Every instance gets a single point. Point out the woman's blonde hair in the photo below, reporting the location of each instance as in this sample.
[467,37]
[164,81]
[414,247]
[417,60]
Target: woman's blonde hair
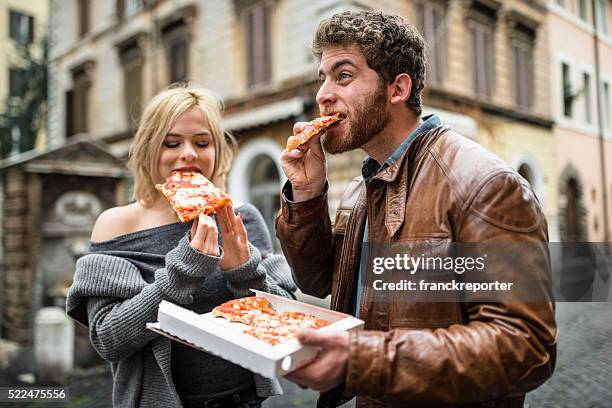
[157,119]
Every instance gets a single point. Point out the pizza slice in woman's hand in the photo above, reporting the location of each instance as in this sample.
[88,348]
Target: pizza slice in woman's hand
[190,194]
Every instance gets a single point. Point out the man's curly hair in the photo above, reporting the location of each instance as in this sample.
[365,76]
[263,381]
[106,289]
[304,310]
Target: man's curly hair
[390,45]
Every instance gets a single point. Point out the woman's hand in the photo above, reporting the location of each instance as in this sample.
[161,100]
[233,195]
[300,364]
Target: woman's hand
[204,235]
[235,242]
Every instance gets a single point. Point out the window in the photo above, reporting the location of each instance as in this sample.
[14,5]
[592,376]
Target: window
[586,93]
[481,41]
[566,86]
[583,9]
[21,27]
[264,191]
[83,10]
[602,15]
[256,22]
[16,82]
[481,25]
[132,60]
[132,6]
[607,114]
[178,60]
[78,100]
[176,38]
[431,23]
[522,40]
[561,3]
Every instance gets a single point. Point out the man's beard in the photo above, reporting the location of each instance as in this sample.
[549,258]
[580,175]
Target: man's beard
[368,118]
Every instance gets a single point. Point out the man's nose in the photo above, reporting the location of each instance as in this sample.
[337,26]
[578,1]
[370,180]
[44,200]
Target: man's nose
[326,94]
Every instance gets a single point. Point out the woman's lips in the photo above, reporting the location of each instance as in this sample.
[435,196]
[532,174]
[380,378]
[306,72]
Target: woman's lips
[196,169]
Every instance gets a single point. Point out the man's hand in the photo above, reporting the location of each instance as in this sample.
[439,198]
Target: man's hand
[305,167]
[328,369]
[235,241]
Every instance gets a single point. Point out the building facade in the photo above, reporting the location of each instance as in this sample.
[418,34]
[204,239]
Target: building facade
[487,77]
[22,23]
[25,23]
[580,82]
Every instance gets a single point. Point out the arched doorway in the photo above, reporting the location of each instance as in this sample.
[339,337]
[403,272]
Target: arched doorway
[571,214]
[525,171]
[529,168]
[264,188]
[578,261]
[256,177]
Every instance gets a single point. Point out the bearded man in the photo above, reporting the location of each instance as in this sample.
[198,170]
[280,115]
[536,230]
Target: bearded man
[421,182]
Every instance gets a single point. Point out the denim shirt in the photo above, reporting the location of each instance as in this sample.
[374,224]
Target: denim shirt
[371,167]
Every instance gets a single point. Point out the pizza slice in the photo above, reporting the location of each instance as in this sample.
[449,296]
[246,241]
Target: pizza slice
[303,320]
[190,194]
[264,322]
[244,310]
[312,128]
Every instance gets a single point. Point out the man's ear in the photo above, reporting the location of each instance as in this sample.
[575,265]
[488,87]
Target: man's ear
[400,88]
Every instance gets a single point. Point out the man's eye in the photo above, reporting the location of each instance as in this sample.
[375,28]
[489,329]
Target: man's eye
[343,76]
[321,81]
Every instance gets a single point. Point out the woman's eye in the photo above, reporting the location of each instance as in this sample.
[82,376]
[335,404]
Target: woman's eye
[171,145]
[202,144]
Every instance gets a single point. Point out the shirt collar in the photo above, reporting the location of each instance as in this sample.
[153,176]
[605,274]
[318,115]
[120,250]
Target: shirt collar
[370,166]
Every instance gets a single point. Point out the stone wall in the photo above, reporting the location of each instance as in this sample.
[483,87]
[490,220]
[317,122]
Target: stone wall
[21,244]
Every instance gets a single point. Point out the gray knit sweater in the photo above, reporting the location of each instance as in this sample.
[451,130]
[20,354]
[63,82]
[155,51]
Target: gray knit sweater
[116,291]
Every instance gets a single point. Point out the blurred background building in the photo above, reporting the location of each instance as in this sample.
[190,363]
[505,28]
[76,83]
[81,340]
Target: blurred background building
[529,80]
[22,126]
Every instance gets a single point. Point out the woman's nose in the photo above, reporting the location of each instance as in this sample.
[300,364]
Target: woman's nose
[188,152]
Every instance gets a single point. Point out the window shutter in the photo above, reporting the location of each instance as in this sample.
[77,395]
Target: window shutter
[69,113]
[120,9]
[30,29]
[266,43]
[83,17]
[256,21]
[13,25]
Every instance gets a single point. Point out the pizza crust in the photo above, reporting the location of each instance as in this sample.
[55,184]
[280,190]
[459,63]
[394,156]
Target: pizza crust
[312,128]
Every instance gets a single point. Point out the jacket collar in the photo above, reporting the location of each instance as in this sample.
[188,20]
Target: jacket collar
[397,192]
[371,168]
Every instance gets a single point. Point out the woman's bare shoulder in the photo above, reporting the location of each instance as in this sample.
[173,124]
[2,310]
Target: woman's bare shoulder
[117,221]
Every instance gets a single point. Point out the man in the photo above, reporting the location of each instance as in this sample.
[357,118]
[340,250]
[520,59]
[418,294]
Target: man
[421,182]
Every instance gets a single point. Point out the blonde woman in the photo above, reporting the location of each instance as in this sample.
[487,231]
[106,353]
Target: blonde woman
[140,254]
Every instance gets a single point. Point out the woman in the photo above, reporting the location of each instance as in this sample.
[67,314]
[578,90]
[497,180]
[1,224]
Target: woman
[140,255]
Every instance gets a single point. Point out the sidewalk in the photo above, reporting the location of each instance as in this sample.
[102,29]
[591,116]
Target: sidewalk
[581,379]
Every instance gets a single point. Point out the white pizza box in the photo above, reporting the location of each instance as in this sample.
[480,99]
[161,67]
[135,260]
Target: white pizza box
[227,340]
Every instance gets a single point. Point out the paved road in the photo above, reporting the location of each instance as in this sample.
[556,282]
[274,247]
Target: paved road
[582,377]
[583,374]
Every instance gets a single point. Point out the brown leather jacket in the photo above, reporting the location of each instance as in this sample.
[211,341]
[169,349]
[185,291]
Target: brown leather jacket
[444,188]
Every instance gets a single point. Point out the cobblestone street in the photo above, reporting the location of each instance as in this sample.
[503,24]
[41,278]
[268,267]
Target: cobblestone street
[581,380]
[583,373]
